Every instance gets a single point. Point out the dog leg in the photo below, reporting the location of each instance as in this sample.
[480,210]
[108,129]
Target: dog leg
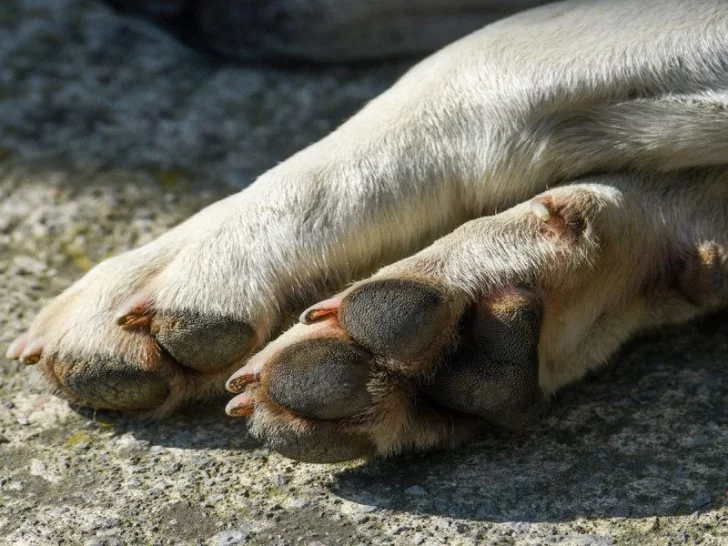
[492,120]
[485,324]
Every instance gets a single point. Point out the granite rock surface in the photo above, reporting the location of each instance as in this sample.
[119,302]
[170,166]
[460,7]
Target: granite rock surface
[110,133]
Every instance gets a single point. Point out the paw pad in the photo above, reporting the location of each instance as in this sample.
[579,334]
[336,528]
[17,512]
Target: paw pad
[395,318]
[320,379]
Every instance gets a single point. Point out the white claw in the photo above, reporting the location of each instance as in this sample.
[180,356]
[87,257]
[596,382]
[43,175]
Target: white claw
[540,210]
[17,347]
[32,352]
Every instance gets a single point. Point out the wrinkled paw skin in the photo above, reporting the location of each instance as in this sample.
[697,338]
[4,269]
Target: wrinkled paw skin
[120,353]
[494,371]
[393,365]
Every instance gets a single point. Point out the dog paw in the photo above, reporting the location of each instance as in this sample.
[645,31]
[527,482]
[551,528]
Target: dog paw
[390,365]
[167,323]
[107,343]
[485,324]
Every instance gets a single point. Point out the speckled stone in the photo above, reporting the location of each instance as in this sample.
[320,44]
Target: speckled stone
[109,134]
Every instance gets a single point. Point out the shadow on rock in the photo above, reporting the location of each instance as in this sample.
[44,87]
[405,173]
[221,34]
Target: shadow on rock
[647,437]
[200,426]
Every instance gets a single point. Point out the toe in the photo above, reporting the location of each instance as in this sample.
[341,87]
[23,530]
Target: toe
[113,383]
[320,442]
[320,379]
[205,343]
[494,372]
[395,318]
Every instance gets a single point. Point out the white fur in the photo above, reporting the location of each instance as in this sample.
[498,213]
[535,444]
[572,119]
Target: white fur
[542,97]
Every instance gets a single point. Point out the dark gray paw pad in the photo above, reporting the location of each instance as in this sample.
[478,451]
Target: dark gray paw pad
[203,342]
[394,318]
[320,379]
[494,372]
[113,384]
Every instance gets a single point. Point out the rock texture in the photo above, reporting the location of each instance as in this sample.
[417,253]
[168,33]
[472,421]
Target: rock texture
[110,132]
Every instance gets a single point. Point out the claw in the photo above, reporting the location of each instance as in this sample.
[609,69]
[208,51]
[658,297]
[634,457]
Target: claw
[240,406]
[541,210]
[32,352]
[559,221]
[136,314]
[17,347]
[250,373]
[238,383]
[322,310]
